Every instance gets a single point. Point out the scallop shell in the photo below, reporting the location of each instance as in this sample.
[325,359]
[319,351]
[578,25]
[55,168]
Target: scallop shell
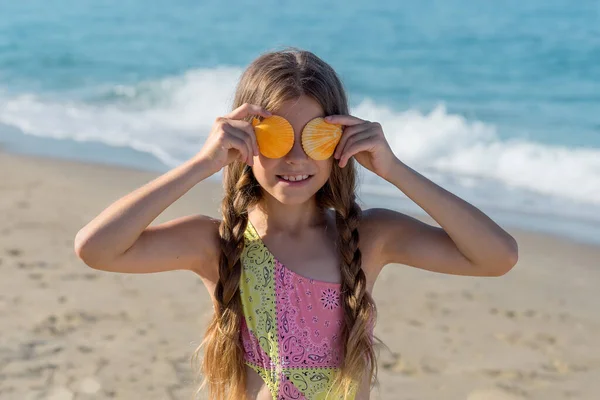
[319,138]
[274,135]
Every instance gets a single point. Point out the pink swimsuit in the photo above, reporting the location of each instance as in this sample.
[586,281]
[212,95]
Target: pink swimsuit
[292,325]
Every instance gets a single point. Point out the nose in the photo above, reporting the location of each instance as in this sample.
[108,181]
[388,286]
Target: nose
[296,154]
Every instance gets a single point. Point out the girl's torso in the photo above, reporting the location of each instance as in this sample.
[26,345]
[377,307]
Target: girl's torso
[292,322]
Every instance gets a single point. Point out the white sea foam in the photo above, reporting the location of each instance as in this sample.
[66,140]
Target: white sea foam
[473,151]
[169,118]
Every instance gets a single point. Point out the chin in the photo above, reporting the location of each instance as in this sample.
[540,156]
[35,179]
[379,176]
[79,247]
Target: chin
[292,199]
[293,196]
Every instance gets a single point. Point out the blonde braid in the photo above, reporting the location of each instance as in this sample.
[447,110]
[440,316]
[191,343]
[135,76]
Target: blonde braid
[227,380]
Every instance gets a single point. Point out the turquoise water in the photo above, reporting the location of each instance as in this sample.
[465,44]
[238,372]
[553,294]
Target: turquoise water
[497,102]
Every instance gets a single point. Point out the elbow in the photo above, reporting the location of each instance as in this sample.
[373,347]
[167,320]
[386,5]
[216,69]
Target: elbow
[513,254]
[83,249]
[79,247]
[509,260]
[504,268]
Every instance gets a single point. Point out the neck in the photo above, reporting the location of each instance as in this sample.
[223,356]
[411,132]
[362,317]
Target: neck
[274,216]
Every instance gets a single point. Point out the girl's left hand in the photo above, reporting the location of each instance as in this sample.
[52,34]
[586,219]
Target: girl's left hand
[366,142]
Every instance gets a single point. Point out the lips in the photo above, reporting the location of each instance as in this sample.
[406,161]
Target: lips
[294,178]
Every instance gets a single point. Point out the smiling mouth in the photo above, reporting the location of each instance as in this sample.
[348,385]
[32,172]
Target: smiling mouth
[294,178]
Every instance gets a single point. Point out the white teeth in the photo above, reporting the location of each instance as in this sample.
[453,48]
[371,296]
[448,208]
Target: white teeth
[294,178]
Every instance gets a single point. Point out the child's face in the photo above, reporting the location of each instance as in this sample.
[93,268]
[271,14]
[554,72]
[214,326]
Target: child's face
[269,171]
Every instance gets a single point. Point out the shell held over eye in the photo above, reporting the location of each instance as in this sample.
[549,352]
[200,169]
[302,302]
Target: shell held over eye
[274,135]
[320,138]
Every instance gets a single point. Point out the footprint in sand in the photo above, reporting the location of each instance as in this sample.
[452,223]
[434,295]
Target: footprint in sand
[75,276]
[22,204]
[85,349]
[36,276]
[564,317]
[467,295]
[514,314]
[63,324]
[415,322]
[432,365]
[540,341]
[511,377]
[14,252]
[32,265]
[405,367]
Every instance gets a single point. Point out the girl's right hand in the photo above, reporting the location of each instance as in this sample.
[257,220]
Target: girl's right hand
[232,139]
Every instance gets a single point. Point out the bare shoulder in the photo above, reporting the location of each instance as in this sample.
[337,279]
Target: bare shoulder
[374,233]
[200,237]
[372,242]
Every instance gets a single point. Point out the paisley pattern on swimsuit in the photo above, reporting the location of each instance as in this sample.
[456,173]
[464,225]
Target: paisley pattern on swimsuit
[291,327]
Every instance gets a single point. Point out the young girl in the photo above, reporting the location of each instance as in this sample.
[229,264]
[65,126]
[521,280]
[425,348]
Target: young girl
[292,263]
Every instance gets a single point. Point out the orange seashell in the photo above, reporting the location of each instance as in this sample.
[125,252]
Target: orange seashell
[319,138]
[274,135]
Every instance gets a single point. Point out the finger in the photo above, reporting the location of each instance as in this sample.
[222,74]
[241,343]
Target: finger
[239,145]
[247,109]
[357,147]
[242,147]
[240,139]
[347,120]
[353,139]
[248,129]
[348,133]
[250,150]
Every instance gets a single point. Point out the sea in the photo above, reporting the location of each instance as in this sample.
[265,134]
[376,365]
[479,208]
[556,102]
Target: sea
[497,102]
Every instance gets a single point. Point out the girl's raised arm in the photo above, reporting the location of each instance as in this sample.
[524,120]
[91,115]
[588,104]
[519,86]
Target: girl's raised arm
[119,239]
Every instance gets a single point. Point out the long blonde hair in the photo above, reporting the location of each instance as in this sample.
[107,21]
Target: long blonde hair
[270,80]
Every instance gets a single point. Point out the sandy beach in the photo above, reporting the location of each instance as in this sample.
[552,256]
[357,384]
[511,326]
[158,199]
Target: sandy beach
[71,332]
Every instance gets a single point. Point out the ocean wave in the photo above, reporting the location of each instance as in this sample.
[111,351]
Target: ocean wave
[472,150]
[170,118]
